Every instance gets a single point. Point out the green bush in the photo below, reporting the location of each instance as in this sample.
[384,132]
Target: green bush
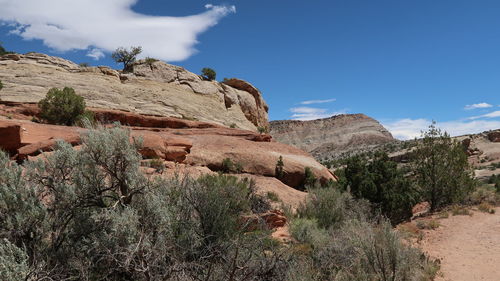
[309,177]
[442,170]
[381,182]
[228,166]
[1,85]
[279,169]
[307,231]
[331,207]
[150,61]
[62,107]
[208,74]
[13,262]
[3,51]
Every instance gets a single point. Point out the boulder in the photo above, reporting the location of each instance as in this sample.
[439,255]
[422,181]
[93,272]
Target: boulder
[250,99]
[10,136]
[494,136]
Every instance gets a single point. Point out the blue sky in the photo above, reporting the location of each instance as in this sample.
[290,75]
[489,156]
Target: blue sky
[402,62]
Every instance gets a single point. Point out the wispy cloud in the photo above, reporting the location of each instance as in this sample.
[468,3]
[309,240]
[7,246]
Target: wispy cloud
[310,113]
[405,129]
[64,26]
[307,102]
[96,54]
[477,106]
[494,114]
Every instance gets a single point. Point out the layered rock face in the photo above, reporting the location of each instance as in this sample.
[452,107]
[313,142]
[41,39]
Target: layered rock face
[154,88]
[330,137]
[184,146]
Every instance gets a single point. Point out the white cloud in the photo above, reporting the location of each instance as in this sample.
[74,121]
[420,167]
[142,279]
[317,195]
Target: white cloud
[106,25]
[96,54]
[405,129]
[310,113]
[477,106]
[494,114]
[317,101]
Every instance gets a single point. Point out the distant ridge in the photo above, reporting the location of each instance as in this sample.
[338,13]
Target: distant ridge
[330,137]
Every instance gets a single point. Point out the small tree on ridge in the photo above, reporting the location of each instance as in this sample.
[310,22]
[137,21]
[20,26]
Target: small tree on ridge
[126,56]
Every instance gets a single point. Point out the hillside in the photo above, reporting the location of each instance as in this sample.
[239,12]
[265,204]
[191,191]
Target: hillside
[154,88]
[330,137]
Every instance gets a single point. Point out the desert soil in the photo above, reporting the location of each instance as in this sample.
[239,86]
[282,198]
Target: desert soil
[468,247]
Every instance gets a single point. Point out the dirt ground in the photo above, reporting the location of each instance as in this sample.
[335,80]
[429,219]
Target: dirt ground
[468,247]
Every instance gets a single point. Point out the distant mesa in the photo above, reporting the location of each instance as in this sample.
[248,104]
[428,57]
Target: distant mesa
[331,137]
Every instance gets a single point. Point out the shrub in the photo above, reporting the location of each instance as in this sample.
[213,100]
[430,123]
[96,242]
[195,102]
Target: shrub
[3,51]
[261,130]
[427,224]
[157,164]
[13,262]
[442,169]
[272,196]
[381,182]
[361,251]
[62,106]
[149,61]
[486,208]
[83,64]
[208,74]
[1,85]
[228,166]
[307,231]
[460,211]
[126,56]
[309,177]
[279,170]
[233,125]
[483,194]
[331,207]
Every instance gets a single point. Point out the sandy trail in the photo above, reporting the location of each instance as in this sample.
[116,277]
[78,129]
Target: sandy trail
[468,247]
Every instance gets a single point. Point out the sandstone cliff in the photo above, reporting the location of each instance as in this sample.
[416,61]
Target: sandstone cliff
[185,147]
[331,137]
[154,88]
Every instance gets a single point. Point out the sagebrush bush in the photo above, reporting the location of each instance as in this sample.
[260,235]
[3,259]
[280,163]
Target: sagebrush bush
[63,107]
[484,194]
[91,214]
[331,207]
[13,262]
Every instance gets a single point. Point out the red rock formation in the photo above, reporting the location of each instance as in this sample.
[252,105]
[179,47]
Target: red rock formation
[195,146]
[494,136]
[10,136]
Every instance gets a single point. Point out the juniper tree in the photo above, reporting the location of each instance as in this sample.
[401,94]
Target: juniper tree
[441,168]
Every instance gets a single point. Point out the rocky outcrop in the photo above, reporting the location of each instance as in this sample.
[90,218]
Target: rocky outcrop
[494,136]
[195,145]
[153,88]
[330,137]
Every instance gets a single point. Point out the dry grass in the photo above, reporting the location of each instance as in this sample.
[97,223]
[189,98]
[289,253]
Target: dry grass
[460,211]
[427,224]
[486,208]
